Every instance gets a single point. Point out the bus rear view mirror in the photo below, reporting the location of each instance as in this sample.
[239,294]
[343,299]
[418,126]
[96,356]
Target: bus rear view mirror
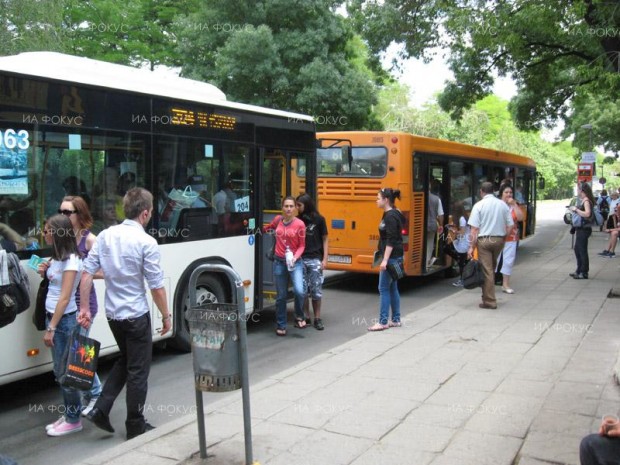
[541,183]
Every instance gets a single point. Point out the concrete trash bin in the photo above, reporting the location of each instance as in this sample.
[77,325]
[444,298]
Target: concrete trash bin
[213,329]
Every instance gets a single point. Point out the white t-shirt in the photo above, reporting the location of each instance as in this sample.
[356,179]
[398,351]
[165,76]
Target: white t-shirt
[461,244]
[54,274]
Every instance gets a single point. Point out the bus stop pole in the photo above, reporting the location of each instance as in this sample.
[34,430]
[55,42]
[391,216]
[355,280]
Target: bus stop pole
[243,373]
[202,434]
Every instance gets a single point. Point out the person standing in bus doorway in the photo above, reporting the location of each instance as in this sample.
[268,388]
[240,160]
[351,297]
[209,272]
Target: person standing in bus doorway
[129,259]
[76,209]
[290,236]
[63,272]
[391,250]
[490,221]
[509,253]
[434,221]
[314,256]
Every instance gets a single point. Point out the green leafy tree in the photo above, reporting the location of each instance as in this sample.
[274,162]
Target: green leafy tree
[302,57]
[555,50]
[32,25]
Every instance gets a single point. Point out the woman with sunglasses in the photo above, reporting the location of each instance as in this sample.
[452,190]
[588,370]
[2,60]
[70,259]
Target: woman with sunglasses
[63,271]
[391,250]
[76,209]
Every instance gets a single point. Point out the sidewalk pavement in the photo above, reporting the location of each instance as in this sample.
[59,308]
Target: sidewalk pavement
[455,385]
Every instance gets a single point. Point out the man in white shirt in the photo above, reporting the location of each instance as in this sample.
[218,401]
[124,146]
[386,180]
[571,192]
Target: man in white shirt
[129,259]
[490,222]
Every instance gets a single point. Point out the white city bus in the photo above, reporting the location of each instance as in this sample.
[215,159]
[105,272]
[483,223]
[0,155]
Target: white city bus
[76,126]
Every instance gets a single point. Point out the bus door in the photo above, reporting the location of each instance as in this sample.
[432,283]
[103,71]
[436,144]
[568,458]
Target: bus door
[438,202]
[273,190]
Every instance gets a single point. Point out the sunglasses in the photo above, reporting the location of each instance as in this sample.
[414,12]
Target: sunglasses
[67,212]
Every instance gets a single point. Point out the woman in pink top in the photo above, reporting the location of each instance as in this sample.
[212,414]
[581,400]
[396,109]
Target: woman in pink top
[510,245]
[290,234]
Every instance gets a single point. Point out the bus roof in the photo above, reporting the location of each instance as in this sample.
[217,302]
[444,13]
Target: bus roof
[73,69]
[428,144]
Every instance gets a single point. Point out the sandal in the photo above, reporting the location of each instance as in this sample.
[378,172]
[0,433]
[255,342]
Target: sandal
[394,324]
[378,327]
[280,331]
[300,323]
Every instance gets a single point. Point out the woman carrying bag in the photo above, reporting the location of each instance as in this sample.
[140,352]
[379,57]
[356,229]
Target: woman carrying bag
[391,250]
[583,229]
[63,271]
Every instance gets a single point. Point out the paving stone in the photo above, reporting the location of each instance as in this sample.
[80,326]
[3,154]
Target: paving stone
[390,454]
[487,449]
[420,437]
[552,447]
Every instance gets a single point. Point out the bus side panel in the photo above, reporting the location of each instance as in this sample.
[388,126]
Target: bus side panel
[352,217]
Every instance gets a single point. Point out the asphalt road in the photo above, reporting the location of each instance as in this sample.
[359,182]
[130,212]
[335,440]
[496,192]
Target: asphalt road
[349,306]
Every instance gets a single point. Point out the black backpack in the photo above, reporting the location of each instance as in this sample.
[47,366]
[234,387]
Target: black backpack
[14,288]
[604,206]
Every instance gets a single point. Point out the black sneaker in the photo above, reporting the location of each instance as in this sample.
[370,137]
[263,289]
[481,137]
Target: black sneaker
[604,253]
[318,324]
[611,255]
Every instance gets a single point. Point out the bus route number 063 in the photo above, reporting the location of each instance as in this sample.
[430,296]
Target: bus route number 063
[10,139]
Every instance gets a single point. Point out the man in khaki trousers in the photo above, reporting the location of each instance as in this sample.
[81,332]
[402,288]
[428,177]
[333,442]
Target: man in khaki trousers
[490,221]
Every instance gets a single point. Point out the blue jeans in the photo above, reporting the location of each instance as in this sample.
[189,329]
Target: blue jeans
[281,274]
[389,296]
[95,390]
[62,335]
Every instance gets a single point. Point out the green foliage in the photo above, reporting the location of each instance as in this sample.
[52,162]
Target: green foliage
[487,124]
[557,51]
[298,56]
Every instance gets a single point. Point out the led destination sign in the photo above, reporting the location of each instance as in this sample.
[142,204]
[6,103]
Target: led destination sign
[183,117]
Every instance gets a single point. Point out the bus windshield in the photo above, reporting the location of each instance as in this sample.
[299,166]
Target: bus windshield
[365,162]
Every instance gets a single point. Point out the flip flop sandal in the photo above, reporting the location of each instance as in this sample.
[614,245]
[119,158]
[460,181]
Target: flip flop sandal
[378,327]
[281,332]
[300,324]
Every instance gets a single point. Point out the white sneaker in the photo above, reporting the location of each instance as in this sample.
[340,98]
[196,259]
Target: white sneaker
[432,261]
[458,283]
[55,424]
[91,404]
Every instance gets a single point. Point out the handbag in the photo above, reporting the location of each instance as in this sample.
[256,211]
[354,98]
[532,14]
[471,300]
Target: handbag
[473,276]
[8,304]
[79,362]
[396,270]
[38,316]
[577,220]
[271,253]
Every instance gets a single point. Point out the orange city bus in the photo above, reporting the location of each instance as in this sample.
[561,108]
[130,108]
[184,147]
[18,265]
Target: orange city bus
[353,166]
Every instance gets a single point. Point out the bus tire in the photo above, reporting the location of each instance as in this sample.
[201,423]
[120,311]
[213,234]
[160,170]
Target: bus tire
[209,289]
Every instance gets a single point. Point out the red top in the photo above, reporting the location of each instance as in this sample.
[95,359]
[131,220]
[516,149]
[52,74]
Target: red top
[292,234]
[514,234]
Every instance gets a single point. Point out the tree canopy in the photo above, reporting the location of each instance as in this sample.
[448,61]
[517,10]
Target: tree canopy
[303,58]
[559,52]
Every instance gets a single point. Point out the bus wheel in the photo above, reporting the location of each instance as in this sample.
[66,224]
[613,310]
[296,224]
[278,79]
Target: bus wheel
[209,289]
